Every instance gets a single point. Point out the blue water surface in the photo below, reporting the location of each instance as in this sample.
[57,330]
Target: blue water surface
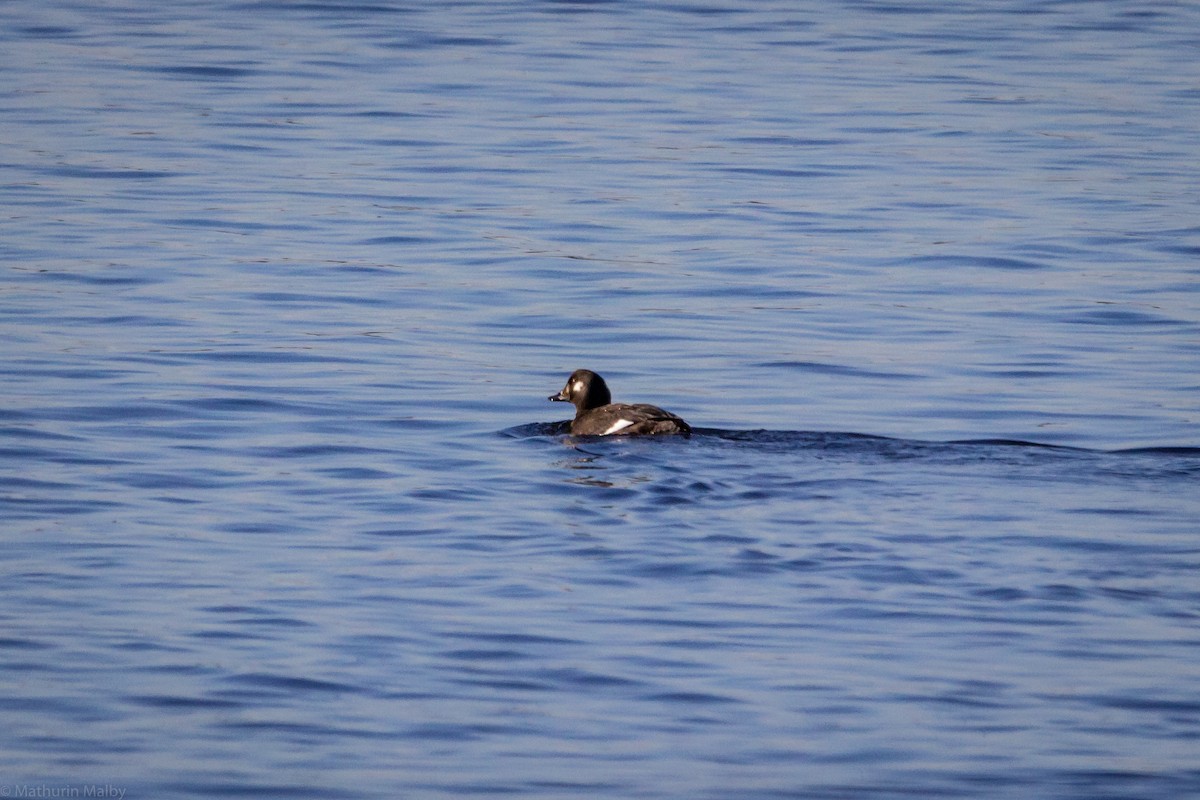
[284,510]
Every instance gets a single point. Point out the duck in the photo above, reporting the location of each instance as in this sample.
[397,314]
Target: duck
[597,415]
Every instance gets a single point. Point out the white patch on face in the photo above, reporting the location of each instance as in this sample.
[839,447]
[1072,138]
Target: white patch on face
[577,387]
[617,426]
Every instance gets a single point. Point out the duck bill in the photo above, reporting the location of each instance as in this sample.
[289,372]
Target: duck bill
[561,397]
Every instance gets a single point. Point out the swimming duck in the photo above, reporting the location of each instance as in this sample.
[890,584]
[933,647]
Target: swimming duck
[597,415]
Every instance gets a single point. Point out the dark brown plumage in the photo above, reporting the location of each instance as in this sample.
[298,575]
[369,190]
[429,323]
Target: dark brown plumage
[597,415]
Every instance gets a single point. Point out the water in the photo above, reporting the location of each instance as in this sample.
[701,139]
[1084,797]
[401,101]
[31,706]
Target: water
[286,514]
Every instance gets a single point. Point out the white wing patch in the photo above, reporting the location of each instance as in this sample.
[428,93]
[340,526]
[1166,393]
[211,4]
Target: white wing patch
[618,426]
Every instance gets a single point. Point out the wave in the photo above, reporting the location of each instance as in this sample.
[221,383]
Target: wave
[842,440]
